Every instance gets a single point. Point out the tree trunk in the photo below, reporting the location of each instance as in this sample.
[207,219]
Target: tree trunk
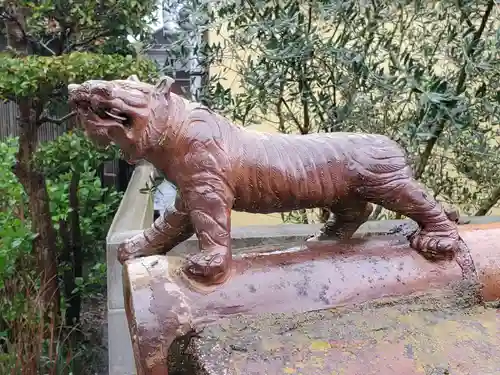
[66,263]
[44,244]
[75,238]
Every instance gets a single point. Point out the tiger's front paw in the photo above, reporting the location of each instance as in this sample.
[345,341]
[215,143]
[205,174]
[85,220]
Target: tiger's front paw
[210,267]
[130,249]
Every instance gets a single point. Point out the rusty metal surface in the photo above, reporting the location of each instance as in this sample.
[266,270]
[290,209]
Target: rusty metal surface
[161,304]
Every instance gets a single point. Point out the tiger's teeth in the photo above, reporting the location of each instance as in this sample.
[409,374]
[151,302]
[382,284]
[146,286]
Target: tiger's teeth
[116,117]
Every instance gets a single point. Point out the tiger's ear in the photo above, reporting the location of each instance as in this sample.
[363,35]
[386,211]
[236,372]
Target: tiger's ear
[134,78]
[164,85]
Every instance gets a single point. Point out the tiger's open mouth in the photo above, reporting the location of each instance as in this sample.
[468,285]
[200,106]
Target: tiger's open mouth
[105,113]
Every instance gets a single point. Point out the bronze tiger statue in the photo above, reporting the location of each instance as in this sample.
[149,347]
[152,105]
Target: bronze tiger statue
[218,166]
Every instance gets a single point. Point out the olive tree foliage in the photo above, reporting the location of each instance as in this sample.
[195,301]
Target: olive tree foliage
[425,73]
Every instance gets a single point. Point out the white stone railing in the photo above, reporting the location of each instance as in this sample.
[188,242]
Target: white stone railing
[134,214]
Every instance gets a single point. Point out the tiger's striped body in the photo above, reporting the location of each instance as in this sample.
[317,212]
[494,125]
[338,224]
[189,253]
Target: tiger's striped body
[267,173]
[288,172]
[218,167]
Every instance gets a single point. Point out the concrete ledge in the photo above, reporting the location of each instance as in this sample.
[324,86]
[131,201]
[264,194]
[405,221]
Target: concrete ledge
[114,270]
[163,305]
[135,210]
[257,235]
[121,360]
[260,234]
[134,213]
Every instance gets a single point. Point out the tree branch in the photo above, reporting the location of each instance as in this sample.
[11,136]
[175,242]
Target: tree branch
[85,42]
[464,15]
[7,16]
[44,45]
[57,121]
[376,212]
[279,109]
[488,204]
[471,48]
[294,118]
[15,33]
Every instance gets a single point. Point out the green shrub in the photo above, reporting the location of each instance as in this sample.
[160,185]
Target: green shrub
[20,314]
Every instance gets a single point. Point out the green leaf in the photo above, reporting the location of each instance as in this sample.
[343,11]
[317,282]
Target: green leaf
[42,75]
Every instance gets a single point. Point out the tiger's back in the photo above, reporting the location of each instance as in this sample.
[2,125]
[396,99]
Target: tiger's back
[278,172]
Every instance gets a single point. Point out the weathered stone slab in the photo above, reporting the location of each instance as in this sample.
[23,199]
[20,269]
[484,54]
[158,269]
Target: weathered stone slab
[415,337]
[162,305]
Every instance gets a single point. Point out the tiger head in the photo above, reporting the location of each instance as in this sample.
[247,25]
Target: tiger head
[128,113]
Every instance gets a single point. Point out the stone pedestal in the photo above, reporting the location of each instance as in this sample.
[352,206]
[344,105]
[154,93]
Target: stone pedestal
[284,286]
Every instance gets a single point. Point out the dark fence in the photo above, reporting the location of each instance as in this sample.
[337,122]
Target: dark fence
[8,124]
[110,171]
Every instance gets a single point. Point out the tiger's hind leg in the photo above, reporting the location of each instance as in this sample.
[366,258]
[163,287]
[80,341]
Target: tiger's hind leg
[348,217]
[438,236]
